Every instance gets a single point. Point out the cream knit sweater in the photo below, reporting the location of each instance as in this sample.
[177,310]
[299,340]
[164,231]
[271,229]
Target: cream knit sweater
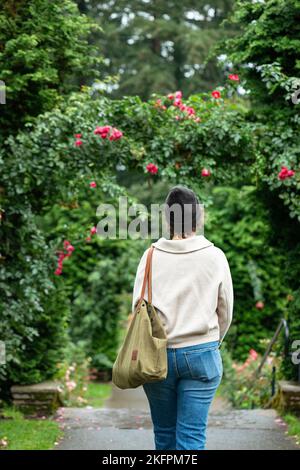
[191,290]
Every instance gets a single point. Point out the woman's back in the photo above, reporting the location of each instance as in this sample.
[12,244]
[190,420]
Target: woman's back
[192,290]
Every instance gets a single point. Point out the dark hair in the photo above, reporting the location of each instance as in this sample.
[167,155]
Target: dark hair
[188,203]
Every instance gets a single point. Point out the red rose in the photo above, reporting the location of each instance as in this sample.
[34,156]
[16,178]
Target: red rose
[285,173]
[108,131]
[78,143]
[151,168]
[93,184]
[216,94]
[234,77]
[102,131]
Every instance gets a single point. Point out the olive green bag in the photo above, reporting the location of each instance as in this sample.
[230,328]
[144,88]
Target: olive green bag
[143,355]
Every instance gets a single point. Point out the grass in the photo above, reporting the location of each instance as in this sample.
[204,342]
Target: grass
[21,433]
[293,423]
[97,393]
[27,434]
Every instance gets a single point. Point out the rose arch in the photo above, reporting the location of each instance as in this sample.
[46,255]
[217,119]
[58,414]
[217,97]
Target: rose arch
[79,147]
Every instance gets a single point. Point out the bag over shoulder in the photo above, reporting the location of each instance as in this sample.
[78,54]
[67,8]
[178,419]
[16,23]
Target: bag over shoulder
[143,355]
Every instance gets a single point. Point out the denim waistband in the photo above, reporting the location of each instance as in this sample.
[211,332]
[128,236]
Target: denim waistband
[210,344]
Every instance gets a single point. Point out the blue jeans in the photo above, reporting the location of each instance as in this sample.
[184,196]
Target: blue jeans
[179,404]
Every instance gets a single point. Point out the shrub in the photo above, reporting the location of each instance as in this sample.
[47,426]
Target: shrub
[240,384]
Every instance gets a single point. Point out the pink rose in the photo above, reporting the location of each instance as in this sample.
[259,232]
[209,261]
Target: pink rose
[190,110]
[66,244]
[253,354]
[93,184]
[177,102]
[259,305]
[182,107]
[234,77]
[205,172]
[115,134]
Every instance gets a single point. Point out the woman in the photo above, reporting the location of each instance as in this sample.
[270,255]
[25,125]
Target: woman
[193,295]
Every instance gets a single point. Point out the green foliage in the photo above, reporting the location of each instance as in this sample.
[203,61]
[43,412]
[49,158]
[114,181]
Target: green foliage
[159,47]
[42,172]
[241,385]
[32,326]
[96,277]
[18,433]
[269,33]
[43,46]
[31,188]
[293,423]
[291,370]
[43,52]
[237,221]
[95,300]
[74,375]
[267,54]
[97,393]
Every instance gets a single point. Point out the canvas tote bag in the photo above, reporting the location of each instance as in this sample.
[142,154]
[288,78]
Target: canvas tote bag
[143,355]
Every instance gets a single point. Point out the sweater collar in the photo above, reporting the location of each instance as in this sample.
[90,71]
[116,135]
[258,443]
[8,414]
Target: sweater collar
[196,242]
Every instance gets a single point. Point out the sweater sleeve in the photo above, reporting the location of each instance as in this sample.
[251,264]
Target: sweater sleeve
[225,300]
[138,282]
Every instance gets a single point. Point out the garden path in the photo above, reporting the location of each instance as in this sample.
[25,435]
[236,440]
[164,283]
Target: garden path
[124,423]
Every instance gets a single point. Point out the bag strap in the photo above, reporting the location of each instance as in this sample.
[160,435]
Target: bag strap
[147,278]
[150,275]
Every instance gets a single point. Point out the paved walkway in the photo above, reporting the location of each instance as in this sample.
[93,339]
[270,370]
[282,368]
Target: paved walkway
[125,424]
